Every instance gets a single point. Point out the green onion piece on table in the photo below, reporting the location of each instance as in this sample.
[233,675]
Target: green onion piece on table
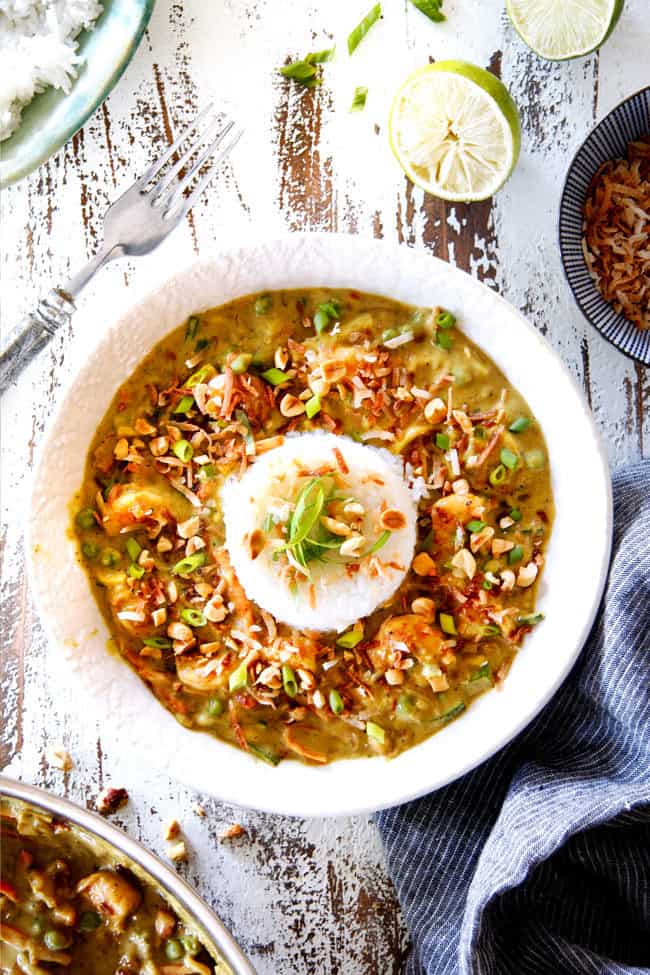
[189,564]
[360,31]
[302,72]
[359,99]
[239,678]
[431,9]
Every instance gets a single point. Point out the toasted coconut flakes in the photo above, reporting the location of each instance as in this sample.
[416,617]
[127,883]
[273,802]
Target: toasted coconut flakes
[59,757]
[234,832]
[180,487]
[616,230]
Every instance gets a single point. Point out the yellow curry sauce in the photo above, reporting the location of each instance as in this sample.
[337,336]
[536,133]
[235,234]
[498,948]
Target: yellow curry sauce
[225,388]
[69,904]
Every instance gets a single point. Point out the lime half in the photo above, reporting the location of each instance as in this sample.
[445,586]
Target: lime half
[561,29]
[455,131]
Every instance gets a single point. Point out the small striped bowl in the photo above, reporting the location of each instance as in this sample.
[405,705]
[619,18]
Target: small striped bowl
[628,121]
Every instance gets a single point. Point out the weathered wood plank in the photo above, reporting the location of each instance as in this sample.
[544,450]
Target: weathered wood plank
[302,897]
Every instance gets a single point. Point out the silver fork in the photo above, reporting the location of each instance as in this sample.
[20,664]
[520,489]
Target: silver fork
[134,224]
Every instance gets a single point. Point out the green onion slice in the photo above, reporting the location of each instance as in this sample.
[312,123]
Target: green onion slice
[289,681]
[520,424]
[442,441]
[431,9]
[498,475]
[191,328]
[445,319]
[381,541]
[183,450]
[509,459]
[133,549]
[266,756]
[184,404]
[475,526]
[159,642]
[249,439]
[275,376]
[360,31]
[263,304]
[447,624]
[443,340]
[189,564]
[530,620]
[135,571]
[193,617]
[359,99]
[335,701]
[239,678]
[515,554]
[350,638]
[375,732]
[312,407]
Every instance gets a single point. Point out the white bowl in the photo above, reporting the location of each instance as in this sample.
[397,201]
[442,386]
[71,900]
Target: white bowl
[131,718]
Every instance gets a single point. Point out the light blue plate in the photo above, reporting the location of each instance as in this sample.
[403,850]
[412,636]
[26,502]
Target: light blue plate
[53,117]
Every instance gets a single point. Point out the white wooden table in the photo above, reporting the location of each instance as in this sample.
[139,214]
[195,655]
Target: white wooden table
[302,897]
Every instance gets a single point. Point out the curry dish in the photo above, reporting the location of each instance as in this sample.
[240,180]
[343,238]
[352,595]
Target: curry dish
[218,396]
[68,904]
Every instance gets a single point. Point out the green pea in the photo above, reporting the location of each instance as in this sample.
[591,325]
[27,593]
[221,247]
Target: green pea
[388,334]
[86,518]
[534,459]
[89,921]
[214,707]
[36,927]
[263,304]
[321,320]
[90,550]
[56,940]
[191,944]
[174,949]
[109,557]
[241,363]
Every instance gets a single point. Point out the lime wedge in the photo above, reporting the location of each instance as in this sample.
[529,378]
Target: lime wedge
[562,29]
[455,131]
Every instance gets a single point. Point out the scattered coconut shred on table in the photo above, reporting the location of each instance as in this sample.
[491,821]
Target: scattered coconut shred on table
[38,48]
[616,241]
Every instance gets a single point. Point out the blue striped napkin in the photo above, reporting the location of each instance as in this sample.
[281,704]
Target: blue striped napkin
[538,862]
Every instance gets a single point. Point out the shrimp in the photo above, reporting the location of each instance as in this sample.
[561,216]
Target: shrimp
[410,633]
[201,673]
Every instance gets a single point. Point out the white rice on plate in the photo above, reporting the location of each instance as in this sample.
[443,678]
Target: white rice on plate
[38,48]
[338,599]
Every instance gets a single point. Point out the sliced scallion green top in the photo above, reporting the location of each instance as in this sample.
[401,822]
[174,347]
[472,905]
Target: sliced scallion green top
[359,99]
[360,31]
[431,9]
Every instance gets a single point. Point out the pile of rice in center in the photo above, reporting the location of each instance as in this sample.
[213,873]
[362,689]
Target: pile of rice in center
[38,48]
[335,592]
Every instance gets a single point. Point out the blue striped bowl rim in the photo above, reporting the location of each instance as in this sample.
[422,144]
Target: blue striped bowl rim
[609,140]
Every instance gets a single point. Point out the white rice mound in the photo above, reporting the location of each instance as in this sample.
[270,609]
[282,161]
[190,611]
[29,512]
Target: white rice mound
[38,48]
[340,598]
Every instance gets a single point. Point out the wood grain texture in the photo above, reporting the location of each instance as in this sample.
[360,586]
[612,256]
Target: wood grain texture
[303,897]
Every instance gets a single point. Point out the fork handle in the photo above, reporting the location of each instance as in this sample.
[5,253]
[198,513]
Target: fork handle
[29,336]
